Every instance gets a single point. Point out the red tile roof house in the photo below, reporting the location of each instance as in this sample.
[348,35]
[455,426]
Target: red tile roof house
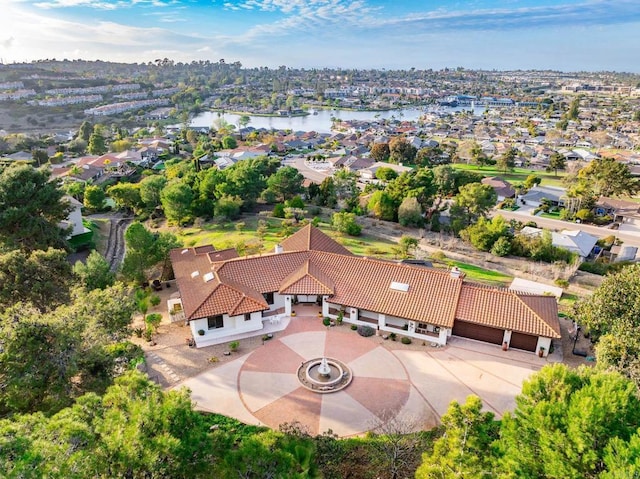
[222,295]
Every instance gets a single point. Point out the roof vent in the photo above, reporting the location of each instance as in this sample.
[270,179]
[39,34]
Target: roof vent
[279,249]
[455,272]
[195,274]
[208,277]
[404,287]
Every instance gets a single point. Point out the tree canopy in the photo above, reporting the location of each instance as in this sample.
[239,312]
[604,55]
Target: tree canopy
[31,209]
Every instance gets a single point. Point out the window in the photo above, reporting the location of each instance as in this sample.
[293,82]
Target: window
[268,297]
[215,322]
[247,316]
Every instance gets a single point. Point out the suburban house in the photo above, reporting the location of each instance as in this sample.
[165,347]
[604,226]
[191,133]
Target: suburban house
[576,241]
[502,187]
[222,295]
[623,212]
[536,195]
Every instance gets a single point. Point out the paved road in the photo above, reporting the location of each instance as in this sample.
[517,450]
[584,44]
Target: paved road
[629,238]
[309,173]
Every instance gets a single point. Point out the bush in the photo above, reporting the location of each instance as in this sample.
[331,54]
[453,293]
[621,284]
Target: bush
[563,283]
[278,210]
[405,340]
[366,331]
[346,223]
[153,320]
[502,247]
[154,300]
[393,336]
[353,327]
[326,321]
[594,268]
[233,346]
[584,215]
[438,256]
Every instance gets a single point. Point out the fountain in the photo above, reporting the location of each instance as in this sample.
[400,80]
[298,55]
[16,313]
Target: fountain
[324,370]
[324,375]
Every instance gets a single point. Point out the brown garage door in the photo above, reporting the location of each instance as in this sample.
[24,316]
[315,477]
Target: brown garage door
[523,341]
[477,331]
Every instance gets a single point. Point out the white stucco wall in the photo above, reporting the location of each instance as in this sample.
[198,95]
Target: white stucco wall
[231,325]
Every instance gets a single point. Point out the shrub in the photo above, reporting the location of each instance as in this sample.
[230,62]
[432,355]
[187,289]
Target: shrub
[584,215]
[438,255]
[326,321]
[563,283]
[595,268]
[278,210]
[233,346]
[153,320]
[393,336]
[154,300]
[366,331]
[405,340]
[502,247]
[138,332]
[267,337]
[354,327]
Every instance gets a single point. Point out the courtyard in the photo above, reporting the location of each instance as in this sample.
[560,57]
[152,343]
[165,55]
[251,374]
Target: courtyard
[259,384]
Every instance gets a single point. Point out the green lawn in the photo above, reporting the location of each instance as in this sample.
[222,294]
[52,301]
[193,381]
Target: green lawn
[476,273]
[517,175]
[554,216]
[227,236]
[224,236]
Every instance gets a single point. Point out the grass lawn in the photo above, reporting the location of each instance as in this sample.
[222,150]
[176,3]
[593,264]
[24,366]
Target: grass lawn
[478,274]
[227,235]
[554,216]
[224,236]
[517,175]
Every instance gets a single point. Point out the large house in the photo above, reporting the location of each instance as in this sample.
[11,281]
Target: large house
[222,295]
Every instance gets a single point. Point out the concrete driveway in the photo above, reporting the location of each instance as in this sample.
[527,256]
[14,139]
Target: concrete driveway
[414,382]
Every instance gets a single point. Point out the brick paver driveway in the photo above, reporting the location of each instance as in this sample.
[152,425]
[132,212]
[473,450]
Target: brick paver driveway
[415,382]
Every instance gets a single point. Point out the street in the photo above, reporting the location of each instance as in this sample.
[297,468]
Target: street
[629,238]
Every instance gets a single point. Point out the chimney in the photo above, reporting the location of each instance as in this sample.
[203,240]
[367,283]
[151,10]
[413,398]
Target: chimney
[279,249]
[455,272]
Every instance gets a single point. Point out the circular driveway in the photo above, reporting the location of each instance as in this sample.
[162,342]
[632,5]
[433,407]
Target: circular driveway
[416,383]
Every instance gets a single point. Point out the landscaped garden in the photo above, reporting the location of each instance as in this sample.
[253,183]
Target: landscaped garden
[515,175]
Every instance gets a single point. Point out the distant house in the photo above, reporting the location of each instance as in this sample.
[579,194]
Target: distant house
[623,212]
[502,187]
[74,220]
[576,241]
[536,195]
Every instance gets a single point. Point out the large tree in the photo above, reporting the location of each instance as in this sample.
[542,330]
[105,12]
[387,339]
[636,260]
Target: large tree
[126,196]
[465,448]
[176,199]
[95,272]
[286,182]
[564,422]
[608,177]
[150,190]
[557,161]
[42,278]
[380,152]
[134,430]
[145,250]
[31,209]
[48,359]
[473,201]
[401,151]
[612,316]
[97,144]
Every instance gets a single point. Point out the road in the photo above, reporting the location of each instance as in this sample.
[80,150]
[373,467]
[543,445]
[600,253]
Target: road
[629,238]
[298,163]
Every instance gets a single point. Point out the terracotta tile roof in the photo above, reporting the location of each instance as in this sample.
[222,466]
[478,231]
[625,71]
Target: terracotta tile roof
[308,279]
[507,310]
[236,286]
[222,255]
[310,238]
[365,283]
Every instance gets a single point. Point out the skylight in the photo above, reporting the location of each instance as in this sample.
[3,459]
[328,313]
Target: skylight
[404,287]
[195,273]
[208,277]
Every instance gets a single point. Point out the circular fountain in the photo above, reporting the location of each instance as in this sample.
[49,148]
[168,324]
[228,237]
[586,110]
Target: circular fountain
[324,375]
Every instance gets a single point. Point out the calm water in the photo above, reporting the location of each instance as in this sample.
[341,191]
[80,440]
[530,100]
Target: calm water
[320,122]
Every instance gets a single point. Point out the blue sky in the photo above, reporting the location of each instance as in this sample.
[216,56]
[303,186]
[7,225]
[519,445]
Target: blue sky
[566,35]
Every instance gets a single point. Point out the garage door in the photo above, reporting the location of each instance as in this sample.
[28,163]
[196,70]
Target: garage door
[477,331]
[523,341]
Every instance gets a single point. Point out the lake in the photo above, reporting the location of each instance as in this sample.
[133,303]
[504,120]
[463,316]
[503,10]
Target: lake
[320,122]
